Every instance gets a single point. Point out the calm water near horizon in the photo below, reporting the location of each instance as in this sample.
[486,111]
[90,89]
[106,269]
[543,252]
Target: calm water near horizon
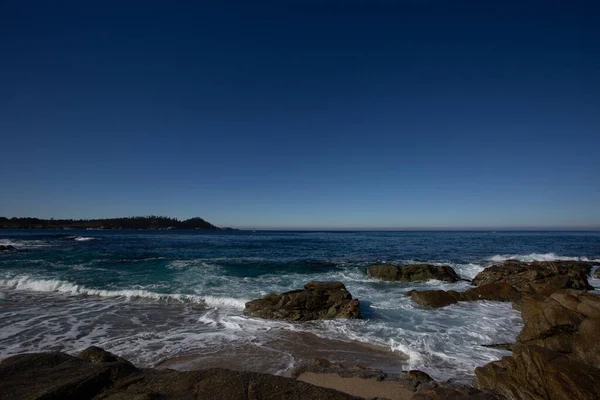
[150,295]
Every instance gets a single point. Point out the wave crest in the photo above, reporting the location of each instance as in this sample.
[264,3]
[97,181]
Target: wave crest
[536,257]
[28,283]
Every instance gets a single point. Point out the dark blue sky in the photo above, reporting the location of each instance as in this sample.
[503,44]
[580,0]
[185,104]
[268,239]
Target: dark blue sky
[312,114]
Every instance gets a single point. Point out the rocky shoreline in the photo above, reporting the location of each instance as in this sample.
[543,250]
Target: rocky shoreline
[556,355]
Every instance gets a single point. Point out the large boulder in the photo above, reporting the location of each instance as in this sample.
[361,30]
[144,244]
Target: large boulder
[557,355]
[534,372]
[412,272]
[538,277]
[60,376]
[567,322]
[318,300]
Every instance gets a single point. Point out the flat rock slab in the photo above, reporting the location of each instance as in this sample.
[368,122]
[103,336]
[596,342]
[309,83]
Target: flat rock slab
[413,272]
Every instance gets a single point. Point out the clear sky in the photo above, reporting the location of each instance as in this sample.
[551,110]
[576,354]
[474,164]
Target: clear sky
[303,114]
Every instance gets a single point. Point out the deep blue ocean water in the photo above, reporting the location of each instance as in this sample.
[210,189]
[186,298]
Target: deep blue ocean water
[150,295]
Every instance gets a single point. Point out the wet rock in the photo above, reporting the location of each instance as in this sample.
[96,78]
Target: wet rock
[57,376]
[567,322]
[548,324]
[97,355]
[441,298]
[7,248]
[434,298]
[318,300]
[557,355]
[60,376]
[412,272]
[450,392]
[500,346]
[541,278]
[533,372]
[500,291]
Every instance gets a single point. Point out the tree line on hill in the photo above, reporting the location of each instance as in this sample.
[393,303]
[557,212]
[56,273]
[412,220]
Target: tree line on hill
[148,222]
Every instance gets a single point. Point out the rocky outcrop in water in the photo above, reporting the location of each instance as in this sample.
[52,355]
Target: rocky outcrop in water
[7,248]
[318,300]
[511,281]
[412,272]
[96,374]
[557,355]
[538,277]
[442,298]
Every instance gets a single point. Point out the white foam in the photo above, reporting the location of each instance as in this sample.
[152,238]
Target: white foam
[216,301]
[25,282]
[414,358]
[184,264]
[24,244]
[84,238]
[536,257]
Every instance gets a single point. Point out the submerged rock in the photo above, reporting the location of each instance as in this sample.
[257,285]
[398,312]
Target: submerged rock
[7,247]
[412,272]
[318,300]
[61,376]
[434,298]
[538,277]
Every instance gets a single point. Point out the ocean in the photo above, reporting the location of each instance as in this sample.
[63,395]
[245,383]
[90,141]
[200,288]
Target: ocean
[152,295]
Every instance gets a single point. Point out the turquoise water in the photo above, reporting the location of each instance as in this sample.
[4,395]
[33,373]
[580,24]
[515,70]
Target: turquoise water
[152,295]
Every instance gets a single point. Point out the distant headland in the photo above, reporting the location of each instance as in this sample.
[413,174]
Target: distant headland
[148,222]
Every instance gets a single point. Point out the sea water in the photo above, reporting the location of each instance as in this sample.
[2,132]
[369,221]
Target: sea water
[152,295]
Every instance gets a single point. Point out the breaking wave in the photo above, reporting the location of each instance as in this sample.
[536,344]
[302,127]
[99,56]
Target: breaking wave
[537,257]
[28,283]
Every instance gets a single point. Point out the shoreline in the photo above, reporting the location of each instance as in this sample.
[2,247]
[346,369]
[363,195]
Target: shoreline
[282,351]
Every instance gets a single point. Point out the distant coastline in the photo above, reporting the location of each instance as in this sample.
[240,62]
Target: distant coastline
[145,223]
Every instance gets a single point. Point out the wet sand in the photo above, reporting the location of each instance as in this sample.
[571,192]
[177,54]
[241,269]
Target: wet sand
[284,350]
[368,388]
[287,353]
